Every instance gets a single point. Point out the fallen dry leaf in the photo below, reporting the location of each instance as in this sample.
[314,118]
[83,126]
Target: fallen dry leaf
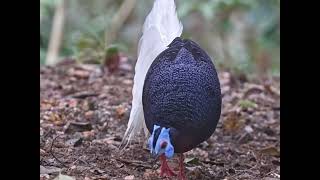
[252,89]
[248,129]
[79,73]
[120,111]
[97,171]
[269,178]
[148,173]
[128,82]
[271,151]
[88,135]
[129,177]
[64,177]
[195,172]
[245,138]
[232,122]
[89,114]
[49,170]
[70,103]
[54,117]
[46,104]
[78,127]
[74,142]
[44,176]
[42,152]
[272,90]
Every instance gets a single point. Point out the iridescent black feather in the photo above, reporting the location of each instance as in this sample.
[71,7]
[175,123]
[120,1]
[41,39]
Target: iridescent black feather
[182,92]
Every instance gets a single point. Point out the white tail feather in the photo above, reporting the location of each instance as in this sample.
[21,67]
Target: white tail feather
[159,30]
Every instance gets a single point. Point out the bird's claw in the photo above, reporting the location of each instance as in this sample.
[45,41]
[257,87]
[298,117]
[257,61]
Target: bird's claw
[165,169]
[169,173]
[181,175]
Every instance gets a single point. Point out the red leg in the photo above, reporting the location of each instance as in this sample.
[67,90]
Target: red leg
[182,175]
[165,169]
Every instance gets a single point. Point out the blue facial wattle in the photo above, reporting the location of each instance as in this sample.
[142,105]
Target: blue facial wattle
[150,141]
[164,136]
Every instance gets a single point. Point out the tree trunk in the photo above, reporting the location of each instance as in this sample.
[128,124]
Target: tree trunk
[56,34]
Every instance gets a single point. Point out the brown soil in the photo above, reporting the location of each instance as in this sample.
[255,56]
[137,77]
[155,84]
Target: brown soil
[84,112]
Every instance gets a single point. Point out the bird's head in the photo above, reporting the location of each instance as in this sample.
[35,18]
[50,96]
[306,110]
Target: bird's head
[159,142]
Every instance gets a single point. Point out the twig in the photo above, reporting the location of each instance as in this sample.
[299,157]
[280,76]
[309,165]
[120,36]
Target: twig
[42,138]
[79,159]
[213,163]
[83,95]
[273,173]
[134,162]
[47,133]
[51,152]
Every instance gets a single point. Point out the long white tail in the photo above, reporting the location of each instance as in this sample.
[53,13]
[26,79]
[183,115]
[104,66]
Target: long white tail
[160,28]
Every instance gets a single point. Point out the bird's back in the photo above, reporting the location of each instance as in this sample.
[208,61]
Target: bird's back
[182,90]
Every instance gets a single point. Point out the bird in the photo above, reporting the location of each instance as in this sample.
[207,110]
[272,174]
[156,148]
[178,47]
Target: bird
[176,90]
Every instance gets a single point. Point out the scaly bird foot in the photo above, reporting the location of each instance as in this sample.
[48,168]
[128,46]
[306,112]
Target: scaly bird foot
[165,169]
[181,175]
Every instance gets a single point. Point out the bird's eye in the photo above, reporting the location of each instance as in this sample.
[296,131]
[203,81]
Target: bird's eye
[163,145]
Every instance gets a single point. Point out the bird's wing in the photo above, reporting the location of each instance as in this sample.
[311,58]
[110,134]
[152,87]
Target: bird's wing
[160,28]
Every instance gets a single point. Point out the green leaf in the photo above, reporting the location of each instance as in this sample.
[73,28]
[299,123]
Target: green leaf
[85,43]
[115,48]
[247,104]
[192,160]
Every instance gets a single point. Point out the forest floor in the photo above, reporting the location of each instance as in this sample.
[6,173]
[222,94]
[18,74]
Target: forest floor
[84,112]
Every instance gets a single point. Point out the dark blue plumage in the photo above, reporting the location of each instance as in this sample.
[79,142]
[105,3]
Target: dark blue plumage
[182,92]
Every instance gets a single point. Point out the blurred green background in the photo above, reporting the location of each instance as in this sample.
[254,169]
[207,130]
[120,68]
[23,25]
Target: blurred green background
[242,36]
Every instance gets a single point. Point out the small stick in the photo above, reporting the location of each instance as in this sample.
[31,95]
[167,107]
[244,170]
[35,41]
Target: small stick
[51,152]
[135,163]
[83,95]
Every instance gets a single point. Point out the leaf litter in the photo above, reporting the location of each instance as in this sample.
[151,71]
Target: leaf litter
[89,109]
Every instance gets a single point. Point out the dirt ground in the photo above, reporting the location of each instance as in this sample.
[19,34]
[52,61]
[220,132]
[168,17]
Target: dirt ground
[84,111]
